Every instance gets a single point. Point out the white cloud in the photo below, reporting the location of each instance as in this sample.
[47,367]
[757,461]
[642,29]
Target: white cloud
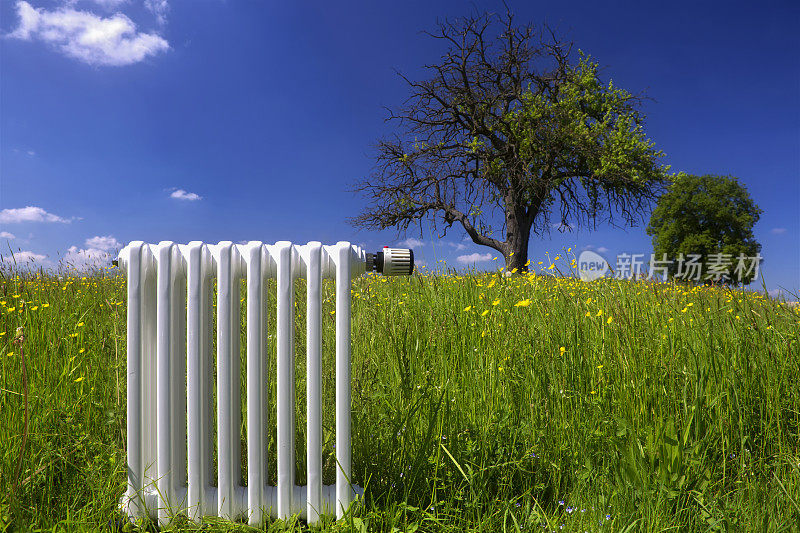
[107,243]
[109,4]
[600,250]
[411,242]
[24,257]
[87,37]
[82,259]
[98,253]
[28,21]
[29,214]
[180,194]
[474,258]
[7,235]
[31,153]
[105,4]
[778,231]
[158,8]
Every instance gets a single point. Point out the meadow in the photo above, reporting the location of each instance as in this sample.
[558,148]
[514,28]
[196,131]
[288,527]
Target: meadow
[480,403]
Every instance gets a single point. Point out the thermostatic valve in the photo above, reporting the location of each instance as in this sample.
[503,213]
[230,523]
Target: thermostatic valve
[391,262]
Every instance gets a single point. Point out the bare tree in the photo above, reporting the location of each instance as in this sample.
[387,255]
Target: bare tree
[511,122]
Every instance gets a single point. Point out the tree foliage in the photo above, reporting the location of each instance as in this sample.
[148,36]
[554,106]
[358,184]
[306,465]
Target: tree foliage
[511,121]
[706,216]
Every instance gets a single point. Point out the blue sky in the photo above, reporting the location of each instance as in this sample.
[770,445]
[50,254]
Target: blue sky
[233,120]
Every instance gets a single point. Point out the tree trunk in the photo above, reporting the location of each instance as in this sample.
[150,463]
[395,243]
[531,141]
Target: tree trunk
[518,233]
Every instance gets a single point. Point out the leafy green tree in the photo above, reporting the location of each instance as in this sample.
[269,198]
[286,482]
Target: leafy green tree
[511,122]
[711,217]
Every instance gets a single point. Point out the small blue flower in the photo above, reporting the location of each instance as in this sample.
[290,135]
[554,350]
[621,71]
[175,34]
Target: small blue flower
[560,502]
[608,517]
[570,509]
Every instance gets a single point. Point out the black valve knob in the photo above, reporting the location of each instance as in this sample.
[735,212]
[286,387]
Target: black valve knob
[391,262]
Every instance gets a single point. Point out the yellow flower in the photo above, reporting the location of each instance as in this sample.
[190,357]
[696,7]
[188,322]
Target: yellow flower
[522,303]
[609,320]
[496,302]
[10,354]
[528,263]
[491,284]
[599,367]
[588,313]
[551,267]
[467,308]
[562,350]
[82,350]
[78,380]
[10,309]
[34,308]
[45,305]
[485,313]
[80,324]
[599,312]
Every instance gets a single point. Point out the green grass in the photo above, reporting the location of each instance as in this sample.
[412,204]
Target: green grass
[480,403]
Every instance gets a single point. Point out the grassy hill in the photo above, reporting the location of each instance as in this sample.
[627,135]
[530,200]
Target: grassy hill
[480,403]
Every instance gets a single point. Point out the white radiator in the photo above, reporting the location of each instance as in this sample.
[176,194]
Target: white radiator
[170,376]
